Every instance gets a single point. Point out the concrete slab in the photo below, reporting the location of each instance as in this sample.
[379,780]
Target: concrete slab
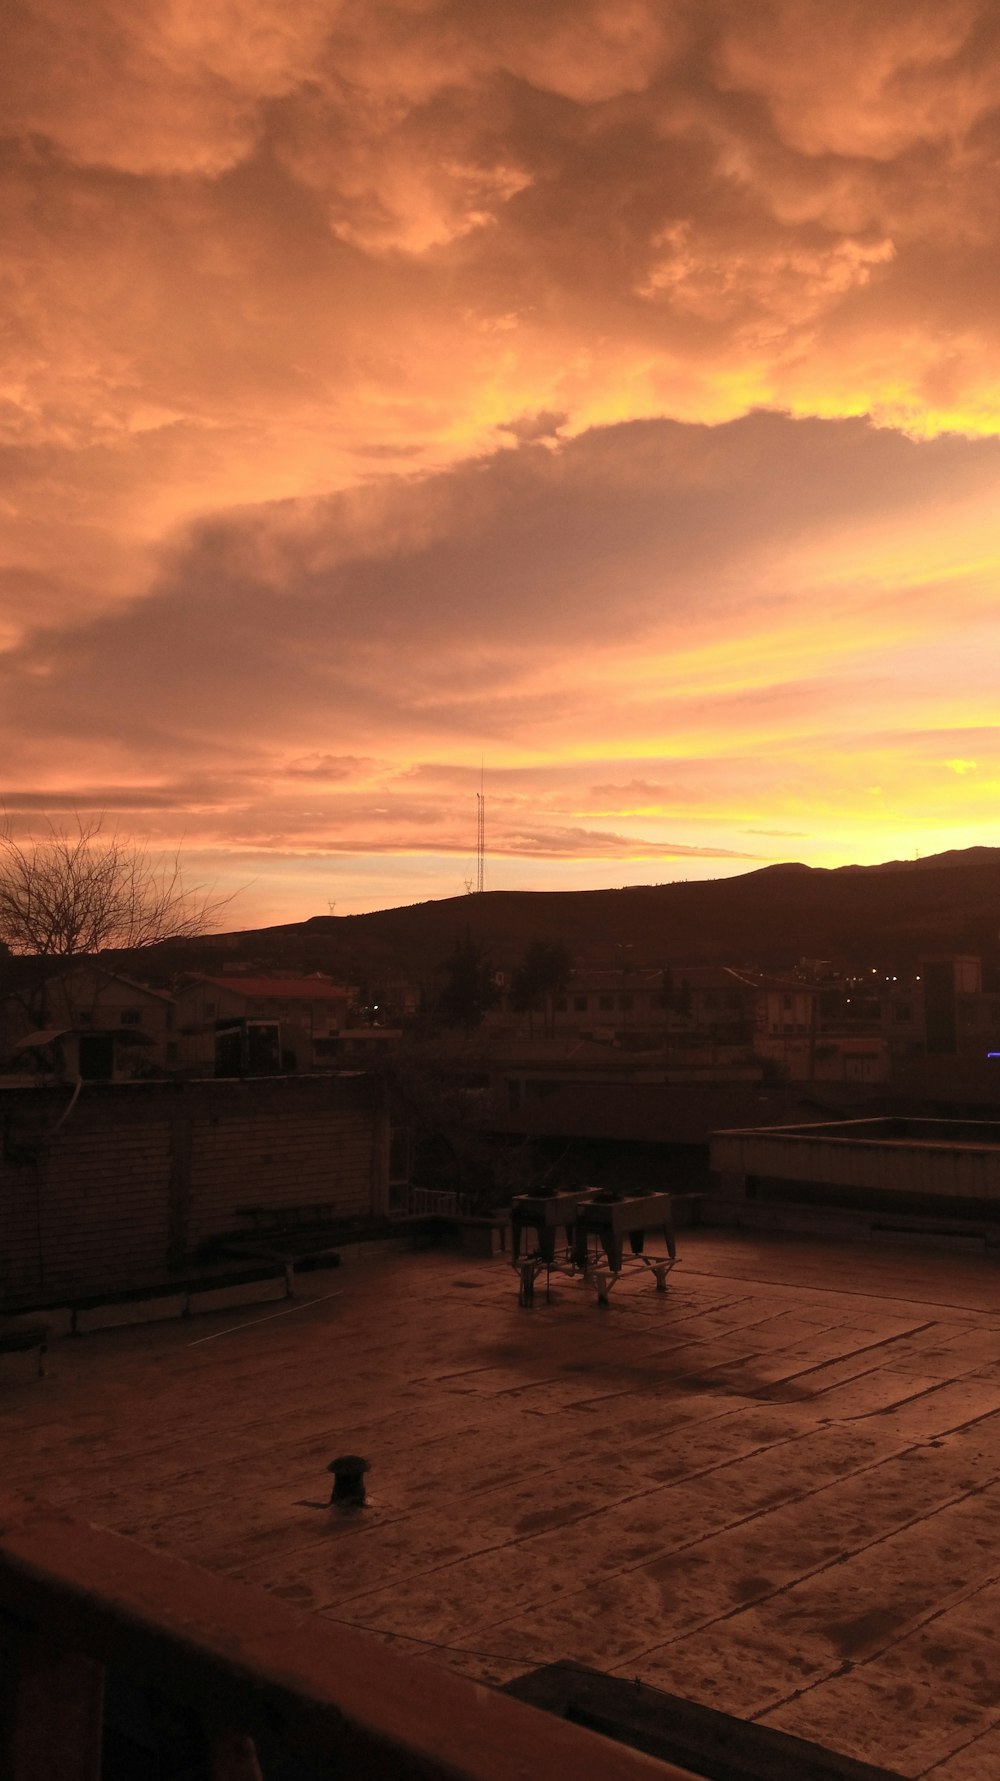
[775,1487]
[978,1760]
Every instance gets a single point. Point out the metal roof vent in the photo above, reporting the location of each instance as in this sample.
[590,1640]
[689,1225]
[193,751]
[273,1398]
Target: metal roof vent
[348,1480]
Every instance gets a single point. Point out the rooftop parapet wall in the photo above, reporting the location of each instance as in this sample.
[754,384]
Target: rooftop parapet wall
[937,1159]
[127,1178]
[894,1129]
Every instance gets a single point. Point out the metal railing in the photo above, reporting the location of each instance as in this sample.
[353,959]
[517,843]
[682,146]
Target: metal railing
[84,1613]
[436,1202]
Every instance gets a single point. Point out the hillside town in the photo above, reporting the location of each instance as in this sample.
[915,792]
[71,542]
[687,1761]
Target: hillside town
[484,1078]
[771,1163]
[817,1023]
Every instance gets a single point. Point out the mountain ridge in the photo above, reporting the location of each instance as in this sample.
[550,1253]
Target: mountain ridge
[772,916]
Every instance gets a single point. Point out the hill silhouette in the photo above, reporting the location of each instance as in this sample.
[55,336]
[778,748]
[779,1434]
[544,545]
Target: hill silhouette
[772,917]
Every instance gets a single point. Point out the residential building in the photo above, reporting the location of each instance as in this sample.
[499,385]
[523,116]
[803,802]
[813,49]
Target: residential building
[104,1025]
[692,1002]
[960,1014]
[609,999]
[311,1012]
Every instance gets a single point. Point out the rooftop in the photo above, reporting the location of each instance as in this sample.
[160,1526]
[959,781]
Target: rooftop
[775,1489]
[285,989]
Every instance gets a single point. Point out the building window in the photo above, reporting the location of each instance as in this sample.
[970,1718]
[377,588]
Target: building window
[171,1051]
[560,1004]
[625,1003]
[209,1009]
[605,1001]
[131,1017]
[580,1004]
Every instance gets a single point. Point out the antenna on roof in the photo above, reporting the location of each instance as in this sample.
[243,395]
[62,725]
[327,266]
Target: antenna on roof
[332,906]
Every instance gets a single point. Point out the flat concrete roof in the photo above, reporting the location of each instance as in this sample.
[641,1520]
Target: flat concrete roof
[775,1489]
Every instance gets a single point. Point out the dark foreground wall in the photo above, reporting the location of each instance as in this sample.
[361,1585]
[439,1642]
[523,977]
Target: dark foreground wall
[136,1176]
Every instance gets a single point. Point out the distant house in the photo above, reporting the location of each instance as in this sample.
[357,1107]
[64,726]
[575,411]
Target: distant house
[96,1023]
[311,1012]
[960,1014]
[609,1000]
[785,1009]
[716,1002]
[704,1002]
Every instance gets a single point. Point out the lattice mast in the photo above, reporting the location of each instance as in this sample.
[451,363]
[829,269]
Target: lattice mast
[480,836]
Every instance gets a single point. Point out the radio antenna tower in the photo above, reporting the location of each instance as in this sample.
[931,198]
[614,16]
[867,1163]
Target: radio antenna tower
[480,836]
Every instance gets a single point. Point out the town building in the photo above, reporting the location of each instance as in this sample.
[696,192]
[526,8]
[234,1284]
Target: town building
[311,1013]
[91,1022]
[649,1007]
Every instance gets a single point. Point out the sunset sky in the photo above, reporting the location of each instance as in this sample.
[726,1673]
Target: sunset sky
[606,392]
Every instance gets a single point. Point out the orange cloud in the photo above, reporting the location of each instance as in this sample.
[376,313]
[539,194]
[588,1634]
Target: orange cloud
[382,386]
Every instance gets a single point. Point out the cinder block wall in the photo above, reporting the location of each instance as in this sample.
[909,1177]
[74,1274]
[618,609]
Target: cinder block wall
[281,1142]
[135,1176]
[87,1199]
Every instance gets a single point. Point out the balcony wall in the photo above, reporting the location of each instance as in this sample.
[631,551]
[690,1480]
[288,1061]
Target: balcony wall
[245,1680]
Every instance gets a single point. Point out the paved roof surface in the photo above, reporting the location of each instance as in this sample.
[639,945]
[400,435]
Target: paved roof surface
[775,1489]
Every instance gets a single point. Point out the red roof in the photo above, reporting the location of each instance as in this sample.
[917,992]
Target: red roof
[281,989]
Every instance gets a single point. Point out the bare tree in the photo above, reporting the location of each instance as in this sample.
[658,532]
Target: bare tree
[77,892]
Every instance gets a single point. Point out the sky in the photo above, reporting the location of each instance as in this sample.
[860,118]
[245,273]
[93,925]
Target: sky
[596,401]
